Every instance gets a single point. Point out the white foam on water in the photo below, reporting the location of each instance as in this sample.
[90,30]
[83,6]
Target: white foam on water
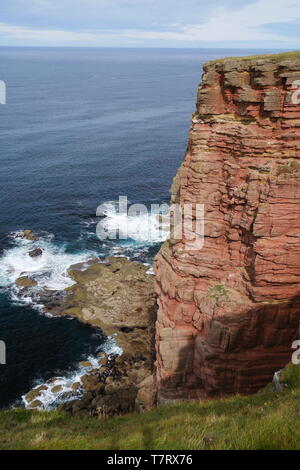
[51,396]
[49,269]
[143,228]
[150,270]
[89,222]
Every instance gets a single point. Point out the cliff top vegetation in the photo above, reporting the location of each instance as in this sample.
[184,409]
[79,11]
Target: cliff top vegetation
[267,420]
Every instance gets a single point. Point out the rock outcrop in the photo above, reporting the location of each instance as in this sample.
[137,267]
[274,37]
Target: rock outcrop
[29,235]
[229,312]
[25,281]
[35,253]
[116,295]
[119,386]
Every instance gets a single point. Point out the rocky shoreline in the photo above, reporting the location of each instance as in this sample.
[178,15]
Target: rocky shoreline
[117,296]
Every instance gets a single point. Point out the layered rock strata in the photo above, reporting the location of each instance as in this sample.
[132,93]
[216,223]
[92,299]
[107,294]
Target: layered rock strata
[229,312]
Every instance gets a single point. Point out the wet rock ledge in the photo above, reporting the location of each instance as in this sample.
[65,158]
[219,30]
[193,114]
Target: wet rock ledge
[116,295]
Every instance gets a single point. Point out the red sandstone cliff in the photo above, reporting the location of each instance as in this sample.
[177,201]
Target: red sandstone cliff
[228,313]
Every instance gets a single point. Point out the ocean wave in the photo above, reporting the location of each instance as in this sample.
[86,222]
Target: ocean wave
[141,229]
[49,270]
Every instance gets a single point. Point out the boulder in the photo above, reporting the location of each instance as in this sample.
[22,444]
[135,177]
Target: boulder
[52,380]
[66,395]
[76,386]
[29,235]
[36,404]
[35,253]
[85,364]
[56,389]
[35,393]
[91,383]
[25,281]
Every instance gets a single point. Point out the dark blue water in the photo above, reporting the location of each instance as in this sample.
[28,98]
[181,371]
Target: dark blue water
[81,127]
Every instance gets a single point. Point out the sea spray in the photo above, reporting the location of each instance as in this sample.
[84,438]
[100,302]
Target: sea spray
[49,270]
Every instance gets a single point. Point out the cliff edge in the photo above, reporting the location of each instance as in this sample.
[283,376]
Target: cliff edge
[229,312]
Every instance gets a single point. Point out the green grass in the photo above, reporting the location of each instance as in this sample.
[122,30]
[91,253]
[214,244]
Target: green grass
[273,57]
[263,421]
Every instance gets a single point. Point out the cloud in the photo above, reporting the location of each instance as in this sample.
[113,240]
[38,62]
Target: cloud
[240,22]
[106,14]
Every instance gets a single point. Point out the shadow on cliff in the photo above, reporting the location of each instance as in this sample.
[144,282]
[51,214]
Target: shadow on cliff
[245,366]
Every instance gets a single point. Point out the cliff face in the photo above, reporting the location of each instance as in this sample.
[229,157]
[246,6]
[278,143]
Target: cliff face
[228,313]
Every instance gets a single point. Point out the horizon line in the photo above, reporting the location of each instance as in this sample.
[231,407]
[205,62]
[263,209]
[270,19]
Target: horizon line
[146,47]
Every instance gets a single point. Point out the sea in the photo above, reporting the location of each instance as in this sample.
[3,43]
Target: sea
[80,128]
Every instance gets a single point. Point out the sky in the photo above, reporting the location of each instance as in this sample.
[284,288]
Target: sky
[266,24]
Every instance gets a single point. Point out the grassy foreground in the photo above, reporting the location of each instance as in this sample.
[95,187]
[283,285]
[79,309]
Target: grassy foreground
[267,420]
